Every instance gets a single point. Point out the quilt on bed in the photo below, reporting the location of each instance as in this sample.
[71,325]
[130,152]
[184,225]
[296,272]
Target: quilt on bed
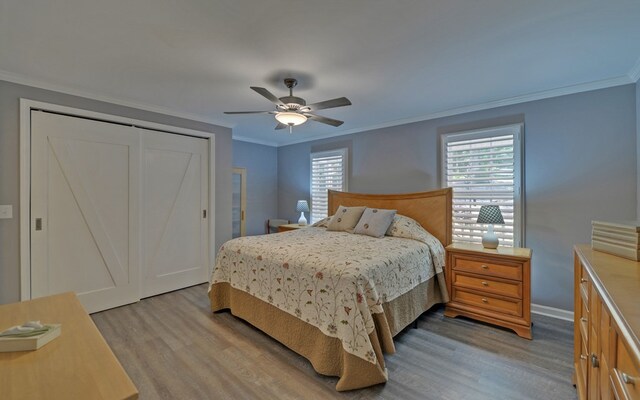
[334,281]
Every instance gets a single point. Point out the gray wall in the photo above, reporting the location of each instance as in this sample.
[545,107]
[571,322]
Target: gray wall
[261,163]
[10,95]
[580,164]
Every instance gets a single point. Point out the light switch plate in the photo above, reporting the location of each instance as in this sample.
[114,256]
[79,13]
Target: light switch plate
[6,211]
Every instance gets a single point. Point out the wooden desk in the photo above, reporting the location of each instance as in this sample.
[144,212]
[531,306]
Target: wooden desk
[76,365]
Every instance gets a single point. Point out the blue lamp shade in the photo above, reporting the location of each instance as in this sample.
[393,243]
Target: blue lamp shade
[490,215]
[302,206]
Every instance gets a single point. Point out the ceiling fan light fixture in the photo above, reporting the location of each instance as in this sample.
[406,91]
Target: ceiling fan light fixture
[290,118]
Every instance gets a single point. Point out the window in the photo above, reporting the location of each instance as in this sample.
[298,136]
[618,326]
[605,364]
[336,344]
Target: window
[485,167]
[328,171]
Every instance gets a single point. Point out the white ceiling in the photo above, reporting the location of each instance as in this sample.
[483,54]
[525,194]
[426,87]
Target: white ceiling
[396,60]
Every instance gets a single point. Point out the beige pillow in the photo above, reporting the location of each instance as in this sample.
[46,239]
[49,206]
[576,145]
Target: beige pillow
[375,222]
[345,219]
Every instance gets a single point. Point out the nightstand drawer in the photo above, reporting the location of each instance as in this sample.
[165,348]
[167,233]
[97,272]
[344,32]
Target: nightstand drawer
[488,284]
[488,302]
[506,270]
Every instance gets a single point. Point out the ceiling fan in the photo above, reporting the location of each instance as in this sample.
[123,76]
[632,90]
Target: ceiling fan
[292,110]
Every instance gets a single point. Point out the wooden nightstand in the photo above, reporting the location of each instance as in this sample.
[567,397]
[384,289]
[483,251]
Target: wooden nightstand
[490,285]
[290,227]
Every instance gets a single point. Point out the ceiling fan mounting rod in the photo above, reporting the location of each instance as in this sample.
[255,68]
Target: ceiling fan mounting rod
[290,83]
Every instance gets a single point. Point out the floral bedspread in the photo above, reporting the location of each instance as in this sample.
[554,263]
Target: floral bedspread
[334,281]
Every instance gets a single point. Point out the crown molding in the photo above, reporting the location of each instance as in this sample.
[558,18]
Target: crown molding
[634,73]
[563,91]
[631,77]
[23,80]
[254,141]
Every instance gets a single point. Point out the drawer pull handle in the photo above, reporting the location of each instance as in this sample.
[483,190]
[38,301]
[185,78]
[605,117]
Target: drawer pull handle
[629,380]
[583,319]
[583,357]
[594,361]
[485,300]
[484,266]
[484,283]
[583,280]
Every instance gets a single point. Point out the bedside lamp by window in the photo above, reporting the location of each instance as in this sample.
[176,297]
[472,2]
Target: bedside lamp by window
[490,215]
[302,207]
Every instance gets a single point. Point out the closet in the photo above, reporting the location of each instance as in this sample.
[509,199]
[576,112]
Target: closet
[117,212]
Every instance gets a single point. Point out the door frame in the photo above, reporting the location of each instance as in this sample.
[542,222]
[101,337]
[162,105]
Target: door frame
[26,106]
[243,198]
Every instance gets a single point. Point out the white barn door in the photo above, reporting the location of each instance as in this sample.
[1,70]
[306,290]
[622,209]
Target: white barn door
[175,212]
[117,212]
[84,210]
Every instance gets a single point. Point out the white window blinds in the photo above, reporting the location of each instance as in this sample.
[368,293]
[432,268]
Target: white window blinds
[484,167]
[328,171]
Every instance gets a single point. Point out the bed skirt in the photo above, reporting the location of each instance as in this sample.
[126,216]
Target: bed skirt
[326,353]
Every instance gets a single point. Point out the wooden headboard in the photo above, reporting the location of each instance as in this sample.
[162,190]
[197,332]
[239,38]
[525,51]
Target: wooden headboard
[431,209]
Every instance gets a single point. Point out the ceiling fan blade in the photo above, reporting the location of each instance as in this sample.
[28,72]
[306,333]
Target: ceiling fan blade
[324,120]
[249,112]
[281,126]
[268,95]
[339,102]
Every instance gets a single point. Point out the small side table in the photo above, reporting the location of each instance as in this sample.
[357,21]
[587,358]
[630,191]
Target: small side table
[290,227]
[490,285]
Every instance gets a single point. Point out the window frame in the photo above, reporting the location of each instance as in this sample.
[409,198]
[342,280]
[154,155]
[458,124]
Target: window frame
[517,130]
[344,153]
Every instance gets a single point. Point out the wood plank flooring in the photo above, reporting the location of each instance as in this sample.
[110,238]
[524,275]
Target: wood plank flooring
[173,347]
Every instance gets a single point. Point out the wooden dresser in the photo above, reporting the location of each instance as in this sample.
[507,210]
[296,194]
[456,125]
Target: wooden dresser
[490,285]
[606,326]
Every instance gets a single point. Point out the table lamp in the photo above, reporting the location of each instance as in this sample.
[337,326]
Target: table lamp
[490,215]
[302,207]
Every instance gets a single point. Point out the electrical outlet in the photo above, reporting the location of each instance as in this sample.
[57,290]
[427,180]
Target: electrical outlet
[6,212]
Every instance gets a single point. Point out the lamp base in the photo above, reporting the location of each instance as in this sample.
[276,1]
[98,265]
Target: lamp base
[489,239]
[302,221]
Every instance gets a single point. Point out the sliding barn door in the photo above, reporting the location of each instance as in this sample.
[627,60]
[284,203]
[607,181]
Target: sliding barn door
[175,212]
[84,210]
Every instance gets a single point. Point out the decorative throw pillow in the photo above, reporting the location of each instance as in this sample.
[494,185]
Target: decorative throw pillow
[323,223]
[375,222]
[345,219]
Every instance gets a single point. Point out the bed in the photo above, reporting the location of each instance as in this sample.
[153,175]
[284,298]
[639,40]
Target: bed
[339,298]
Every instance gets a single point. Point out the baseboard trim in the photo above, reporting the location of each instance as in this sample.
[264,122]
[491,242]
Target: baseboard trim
[552,312]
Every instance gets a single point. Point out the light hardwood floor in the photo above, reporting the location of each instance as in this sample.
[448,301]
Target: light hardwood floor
[173,347]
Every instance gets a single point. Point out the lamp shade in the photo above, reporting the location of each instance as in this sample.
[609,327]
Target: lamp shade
[490,215]
[302,206]
[290,118]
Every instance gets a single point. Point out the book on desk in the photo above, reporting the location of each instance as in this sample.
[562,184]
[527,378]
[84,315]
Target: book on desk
[12,343]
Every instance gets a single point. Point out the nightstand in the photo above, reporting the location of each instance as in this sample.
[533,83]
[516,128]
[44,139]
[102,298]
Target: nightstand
[490,285]
[290,227]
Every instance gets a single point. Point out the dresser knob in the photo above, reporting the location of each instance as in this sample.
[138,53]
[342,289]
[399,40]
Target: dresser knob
[484,283]
[594,361]
[628,379]
[583,357]
[483,266]
[583,319]
[583,280]
[485,300]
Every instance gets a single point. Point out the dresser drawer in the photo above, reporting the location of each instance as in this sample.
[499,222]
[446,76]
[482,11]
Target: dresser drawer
[583,319]
[625,377]
[488,284]
[488,302]
[584,285]
[478,266]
